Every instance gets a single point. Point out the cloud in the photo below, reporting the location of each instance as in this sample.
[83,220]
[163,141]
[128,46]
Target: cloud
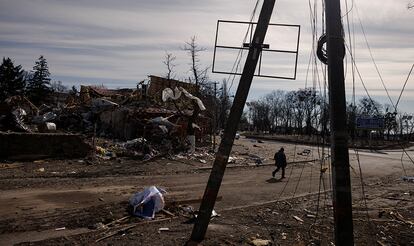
[122,42]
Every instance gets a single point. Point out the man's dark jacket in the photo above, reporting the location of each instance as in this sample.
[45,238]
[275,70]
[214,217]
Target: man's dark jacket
[280,159]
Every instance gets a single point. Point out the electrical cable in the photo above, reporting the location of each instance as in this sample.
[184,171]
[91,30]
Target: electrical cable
[370,222]
[240,53]
[372,58]
[398,101]
[395,106]
[297,183]
[405,151]
[353,66]
[362,81]
[354,56]
[312,21]
[376,67]
[314,71]
[350,47]
[403,148]
[291,171]
[402,163]
[311,172]
[366,90]
[348,11]
[316,77]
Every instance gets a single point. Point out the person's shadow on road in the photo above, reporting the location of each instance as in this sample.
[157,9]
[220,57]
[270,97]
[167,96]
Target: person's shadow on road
[274,180]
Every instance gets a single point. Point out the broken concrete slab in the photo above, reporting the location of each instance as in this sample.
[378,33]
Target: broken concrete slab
[32,146]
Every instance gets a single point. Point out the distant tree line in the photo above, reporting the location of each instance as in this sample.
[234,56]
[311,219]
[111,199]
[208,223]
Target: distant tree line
[35,84]
[305,111]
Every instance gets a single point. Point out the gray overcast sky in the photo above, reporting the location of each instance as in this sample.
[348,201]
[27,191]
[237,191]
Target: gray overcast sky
[118,43]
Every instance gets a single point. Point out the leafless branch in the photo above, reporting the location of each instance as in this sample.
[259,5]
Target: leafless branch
[169,63]
[199,75]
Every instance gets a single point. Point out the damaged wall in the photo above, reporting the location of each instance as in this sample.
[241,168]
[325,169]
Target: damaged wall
[31,146]
[158,84]
[127,123]
[119,124]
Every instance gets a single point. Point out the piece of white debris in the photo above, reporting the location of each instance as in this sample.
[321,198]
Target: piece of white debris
[297,218]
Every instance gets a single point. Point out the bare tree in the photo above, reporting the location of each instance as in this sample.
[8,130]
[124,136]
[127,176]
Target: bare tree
[169,59]
[275,100]
[308,100]
[390,120]
[410,5]
[199,74]
[369,107]
[260,114]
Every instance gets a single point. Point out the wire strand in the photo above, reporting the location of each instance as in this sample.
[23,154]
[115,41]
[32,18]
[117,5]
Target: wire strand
[236,63]
[372,58]
[398,101]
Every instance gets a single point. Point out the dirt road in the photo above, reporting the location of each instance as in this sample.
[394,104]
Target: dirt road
[33,207]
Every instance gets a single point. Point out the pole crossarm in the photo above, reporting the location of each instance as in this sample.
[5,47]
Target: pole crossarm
[262,46]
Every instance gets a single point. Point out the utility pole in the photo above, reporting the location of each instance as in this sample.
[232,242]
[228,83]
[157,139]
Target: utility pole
[342,198]
[222,156]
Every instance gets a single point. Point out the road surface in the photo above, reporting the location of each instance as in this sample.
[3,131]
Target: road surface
[240,187]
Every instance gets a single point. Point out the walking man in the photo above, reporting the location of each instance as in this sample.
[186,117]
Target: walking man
[280,162]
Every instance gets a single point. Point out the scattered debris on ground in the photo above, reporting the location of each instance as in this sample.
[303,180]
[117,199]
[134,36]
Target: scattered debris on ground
[87,157]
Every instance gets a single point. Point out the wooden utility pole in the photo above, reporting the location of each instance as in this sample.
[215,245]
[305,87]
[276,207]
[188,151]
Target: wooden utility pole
[342,198]
[222,156]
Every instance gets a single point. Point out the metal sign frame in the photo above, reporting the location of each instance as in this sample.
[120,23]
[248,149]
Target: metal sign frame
[265,49]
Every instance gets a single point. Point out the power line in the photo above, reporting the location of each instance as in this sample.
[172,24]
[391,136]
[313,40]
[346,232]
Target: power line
[350,47]
[398,101]
[240,53]
[316,78]
[402,163]
[366,90]
[348,11]
[395,106]
[370,222]
[362,81]
[372,58]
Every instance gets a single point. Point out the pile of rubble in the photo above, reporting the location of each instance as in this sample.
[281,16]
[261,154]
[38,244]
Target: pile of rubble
[162,119]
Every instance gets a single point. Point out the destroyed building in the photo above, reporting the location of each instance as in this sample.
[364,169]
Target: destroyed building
[162,112]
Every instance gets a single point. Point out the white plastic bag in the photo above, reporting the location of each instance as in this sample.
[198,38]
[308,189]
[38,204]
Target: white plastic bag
[148,202]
